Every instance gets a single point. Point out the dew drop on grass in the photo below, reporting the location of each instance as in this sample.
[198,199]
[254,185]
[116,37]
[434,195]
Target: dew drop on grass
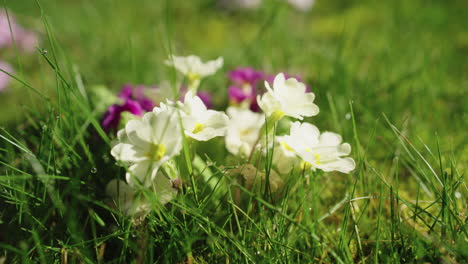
[347,116]
[93,170]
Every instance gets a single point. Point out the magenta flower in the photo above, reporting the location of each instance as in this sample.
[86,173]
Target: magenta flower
[241,76]
[244,89]
[113,115]
[206,98]
[134,102]
[136,94]
[5,78]
[237,95]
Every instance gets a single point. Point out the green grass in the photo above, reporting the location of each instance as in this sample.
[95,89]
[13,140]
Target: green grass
[389,76]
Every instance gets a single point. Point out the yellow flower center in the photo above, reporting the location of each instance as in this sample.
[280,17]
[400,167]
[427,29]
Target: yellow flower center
[193,77]
[317,159]
[277,115]
[286,146]
[317,156]
[245,132]
[198,128]
[246,88]
[156,152]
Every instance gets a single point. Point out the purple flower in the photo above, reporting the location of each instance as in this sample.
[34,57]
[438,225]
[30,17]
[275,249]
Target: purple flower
[237,94]
[136,94]
[126,92]
[113,115]
[206,98]
[134,102]
[5,78]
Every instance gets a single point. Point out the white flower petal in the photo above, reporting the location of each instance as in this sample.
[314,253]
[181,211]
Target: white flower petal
[288,97]
[323,151]
[268,103]
[163,188]
[344,149]
[193,105]
[330,139]
[193,66]
[121,193]
[284,156]
[137,133]
[202,124]
[344,165]
[279,81]
[142,173]
[243,130]
[128,153]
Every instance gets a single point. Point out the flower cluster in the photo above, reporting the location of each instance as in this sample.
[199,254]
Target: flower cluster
[134,101]
[245,86]
[150,142]
[12,34]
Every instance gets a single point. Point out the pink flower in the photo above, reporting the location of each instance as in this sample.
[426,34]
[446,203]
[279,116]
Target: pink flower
[25,39]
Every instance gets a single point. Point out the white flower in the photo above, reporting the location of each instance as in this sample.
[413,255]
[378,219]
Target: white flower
[302,5]
[192,67]
[124,198]
[323,151]
[199,123]
[243,130]
[247,4]
[288,97]
[147,143]
[132,202]
[284,157]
